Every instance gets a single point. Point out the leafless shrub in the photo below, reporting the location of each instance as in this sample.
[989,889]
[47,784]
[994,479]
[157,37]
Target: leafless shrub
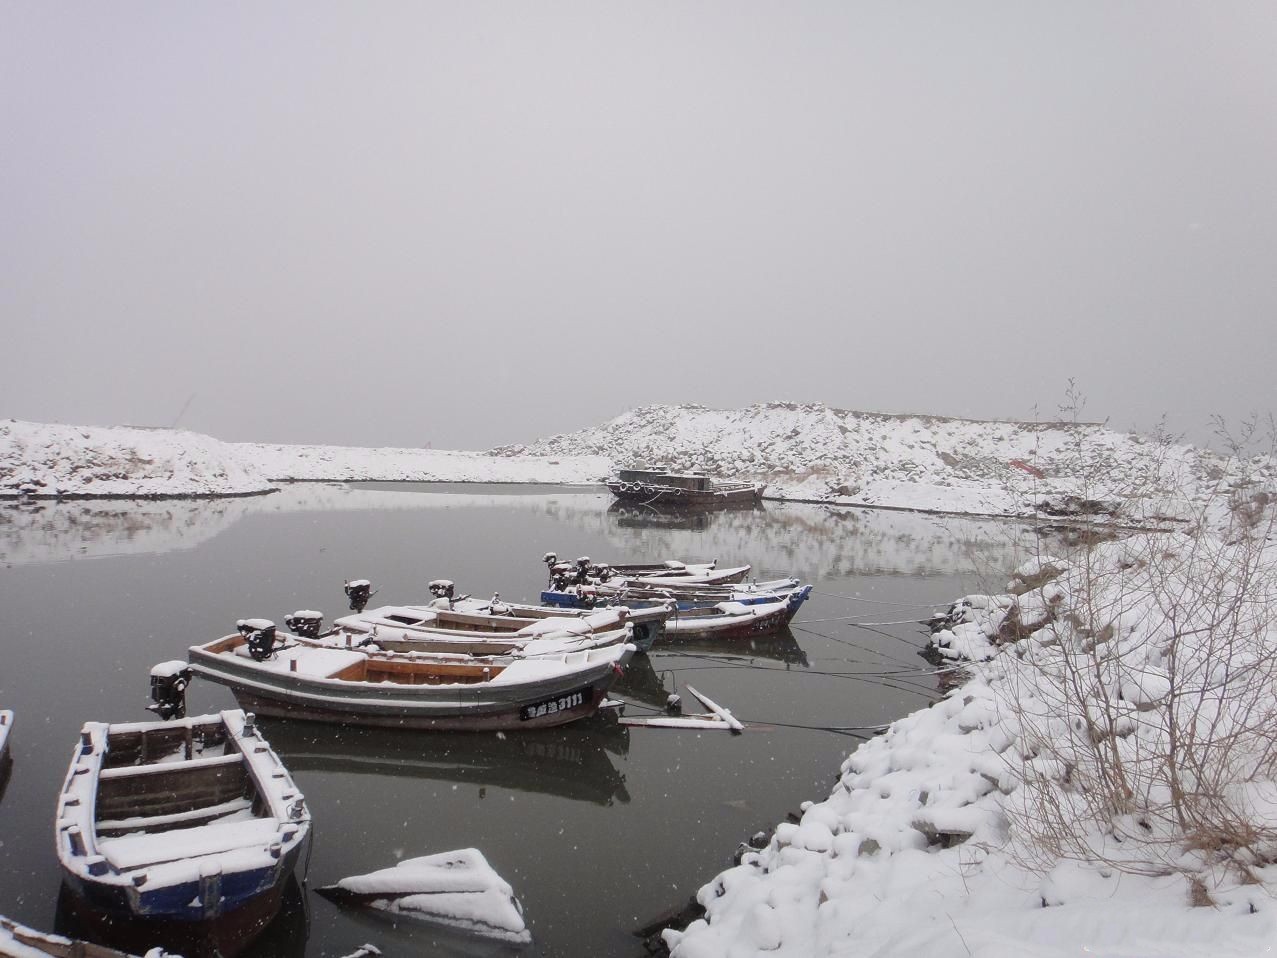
[1146,709]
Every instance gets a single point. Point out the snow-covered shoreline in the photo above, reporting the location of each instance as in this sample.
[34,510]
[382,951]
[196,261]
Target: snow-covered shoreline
[1099,783]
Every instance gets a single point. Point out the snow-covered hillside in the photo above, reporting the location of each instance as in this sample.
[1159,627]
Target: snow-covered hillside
[44,459]
[811,451]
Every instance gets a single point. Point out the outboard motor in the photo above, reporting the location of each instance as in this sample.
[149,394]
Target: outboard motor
[560,575]
[305,622]
[260,637]
[168,689]
[602,571]
[359,591]
[550,559]
[443,591]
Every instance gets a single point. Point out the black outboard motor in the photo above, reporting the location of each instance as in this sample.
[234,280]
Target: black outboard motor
[359,591]
[168,689]
[305,622]
[560,575]
[260,636]
[442,588]
[602,572]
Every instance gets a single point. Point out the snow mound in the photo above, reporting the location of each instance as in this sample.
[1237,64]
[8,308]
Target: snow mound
[811,451]
[54,461]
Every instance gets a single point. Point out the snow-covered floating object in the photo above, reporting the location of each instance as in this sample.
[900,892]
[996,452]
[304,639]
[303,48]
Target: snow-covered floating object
[187,820]
[457,889]
[19,941]
[6,723]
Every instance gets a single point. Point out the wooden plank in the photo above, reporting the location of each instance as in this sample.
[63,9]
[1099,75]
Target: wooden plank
[718,710]
[712,722]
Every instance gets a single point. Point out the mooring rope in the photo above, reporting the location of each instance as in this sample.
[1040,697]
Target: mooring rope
[860,598]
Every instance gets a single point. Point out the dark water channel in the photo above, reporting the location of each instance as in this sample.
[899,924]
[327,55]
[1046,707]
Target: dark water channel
[599,829]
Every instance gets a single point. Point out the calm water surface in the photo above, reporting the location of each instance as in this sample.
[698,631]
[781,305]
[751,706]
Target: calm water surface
[599,829]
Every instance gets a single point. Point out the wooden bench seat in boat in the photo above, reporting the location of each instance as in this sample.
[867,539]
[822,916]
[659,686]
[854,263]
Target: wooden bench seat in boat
[313,662]
[143,850]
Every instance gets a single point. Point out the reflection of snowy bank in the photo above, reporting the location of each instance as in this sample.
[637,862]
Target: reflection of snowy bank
[45,531]
[812,539]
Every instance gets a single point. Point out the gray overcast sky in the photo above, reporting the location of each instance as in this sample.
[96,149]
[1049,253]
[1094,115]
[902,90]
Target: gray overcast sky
[472,223]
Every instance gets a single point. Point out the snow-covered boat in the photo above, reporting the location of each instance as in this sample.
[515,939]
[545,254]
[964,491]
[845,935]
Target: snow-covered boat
[456,889]
[653,486]
[185,820]
[710,614]
[586,567]
[598,595]
[584,572]
[410,690]
[19,941]
[427,629]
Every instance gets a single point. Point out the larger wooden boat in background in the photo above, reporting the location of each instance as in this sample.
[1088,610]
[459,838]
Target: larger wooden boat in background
[655,487]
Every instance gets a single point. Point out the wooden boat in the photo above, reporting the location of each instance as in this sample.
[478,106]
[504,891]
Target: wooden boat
[647,620]
[427,629]
[653,486]
[605,594]
[583,571]
[590,569]
[733,616]
[411,690]
[19,941]
[188,819]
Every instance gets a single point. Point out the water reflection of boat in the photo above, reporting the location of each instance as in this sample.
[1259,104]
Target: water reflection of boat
[415,938]
[648,683]
[636,515]
[570,763]
[279,935]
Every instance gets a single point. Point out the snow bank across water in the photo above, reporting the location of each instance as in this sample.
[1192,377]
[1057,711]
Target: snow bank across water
[930,463]
[48,460]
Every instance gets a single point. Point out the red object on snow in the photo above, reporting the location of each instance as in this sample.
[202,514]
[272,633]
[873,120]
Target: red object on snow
[1031,470]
